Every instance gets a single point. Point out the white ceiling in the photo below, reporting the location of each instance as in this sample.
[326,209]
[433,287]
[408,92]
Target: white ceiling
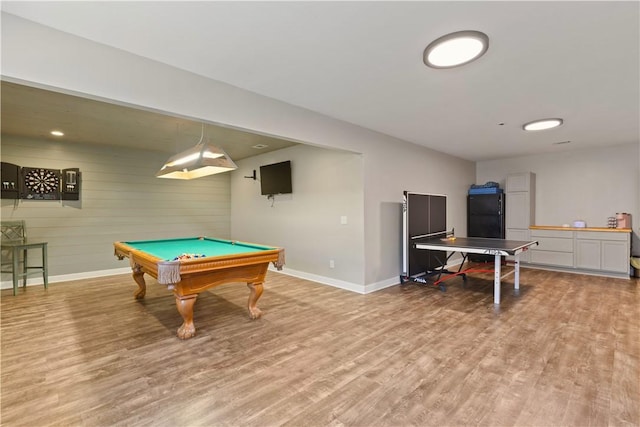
[361,62]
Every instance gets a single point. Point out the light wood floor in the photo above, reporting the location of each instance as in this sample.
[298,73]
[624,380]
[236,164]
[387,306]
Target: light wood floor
[564,352]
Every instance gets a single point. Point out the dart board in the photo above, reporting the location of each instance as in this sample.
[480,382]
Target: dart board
[40,184]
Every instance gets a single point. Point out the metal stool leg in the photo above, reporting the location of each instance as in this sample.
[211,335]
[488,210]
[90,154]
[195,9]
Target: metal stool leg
[15,255]
[45,271]
[25,268]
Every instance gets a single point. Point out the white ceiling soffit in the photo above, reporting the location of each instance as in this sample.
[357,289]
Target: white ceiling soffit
[361,62]
[33,113]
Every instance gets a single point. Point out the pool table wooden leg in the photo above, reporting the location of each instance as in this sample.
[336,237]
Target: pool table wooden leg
[255,293]
[138,276]
[185,308]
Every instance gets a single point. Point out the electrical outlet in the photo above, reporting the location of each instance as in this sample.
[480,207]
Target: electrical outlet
[332,264]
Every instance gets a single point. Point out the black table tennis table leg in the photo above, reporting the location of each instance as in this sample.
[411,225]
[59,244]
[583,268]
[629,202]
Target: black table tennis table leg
[439,280]
[438,272]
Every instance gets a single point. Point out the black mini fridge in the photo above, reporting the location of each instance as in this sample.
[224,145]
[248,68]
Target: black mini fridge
[485,218]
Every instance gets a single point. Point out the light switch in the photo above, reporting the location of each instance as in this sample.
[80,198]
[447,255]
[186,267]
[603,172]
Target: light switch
[343,219]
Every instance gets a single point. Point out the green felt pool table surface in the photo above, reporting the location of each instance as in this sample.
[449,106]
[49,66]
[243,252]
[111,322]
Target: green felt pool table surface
[168,249]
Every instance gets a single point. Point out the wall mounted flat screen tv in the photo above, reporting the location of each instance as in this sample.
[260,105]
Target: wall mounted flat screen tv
[276,178]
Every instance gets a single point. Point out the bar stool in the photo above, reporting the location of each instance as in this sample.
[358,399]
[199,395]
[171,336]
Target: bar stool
[14,243]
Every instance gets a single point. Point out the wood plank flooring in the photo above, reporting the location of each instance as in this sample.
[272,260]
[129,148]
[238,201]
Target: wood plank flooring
[565,351]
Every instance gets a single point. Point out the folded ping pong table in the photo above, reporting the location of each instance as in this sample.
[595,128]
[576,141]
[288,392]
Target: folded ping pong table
[476,245]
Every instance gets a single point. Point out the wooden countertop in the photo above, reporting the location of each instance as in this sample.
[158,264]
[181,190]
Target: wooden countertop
[561,228]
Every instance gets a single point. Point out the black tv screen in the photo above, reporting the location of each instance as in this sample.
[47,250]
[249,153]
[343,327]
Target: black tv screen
[275,178]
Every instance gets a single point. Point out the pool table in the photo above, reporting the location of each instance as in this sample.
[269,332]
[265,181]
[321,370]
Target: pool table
[191,265]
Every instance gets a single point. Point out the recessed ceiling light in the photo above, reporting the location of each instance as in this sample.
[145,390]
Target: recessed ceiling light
[455,49]
[57,133]
[259,146]
[542,124]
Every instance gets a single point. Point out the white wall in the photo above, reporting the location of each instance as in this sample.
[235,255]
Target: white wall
[327,185]
[41,56]
[392,169]
[591,184]
[121,199]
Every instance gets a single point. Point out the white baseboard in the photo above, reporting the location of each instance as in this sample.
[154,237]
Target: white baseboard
[377,286]
[353,287]
[573,270]
[35,281]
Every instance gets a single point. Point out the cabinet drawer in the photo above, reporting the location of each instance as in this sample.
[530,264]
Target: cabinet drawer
[562,259]
[602,235]
[554,244]
[552,233]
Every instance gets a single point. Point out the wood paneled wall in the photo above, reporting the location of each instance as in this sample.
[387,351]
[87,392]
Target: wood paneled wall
[121,199]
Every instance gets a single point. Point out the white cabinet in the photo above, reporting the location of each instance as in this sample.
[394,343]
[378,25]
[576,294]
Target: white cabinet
[615,256]
[519,208]
[588,254]
[520,181]
[587,250]
[606,251]
[513,234]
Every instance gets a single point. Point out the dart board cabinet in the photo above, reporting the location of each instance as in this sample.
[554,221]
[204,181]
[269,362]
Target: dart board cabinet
[40,183]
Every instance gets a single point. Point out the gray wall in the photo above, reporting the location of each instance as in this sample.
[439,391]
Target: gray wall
[590,184]
[121,199]
[390,165]
[327,185]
